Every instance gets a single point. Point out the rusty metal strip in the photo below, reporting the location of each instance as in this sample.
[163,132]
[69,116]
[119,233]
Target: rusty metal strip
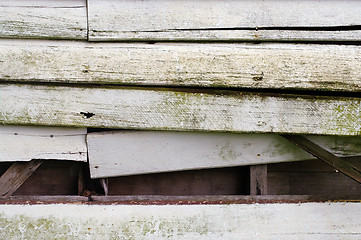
[324,155]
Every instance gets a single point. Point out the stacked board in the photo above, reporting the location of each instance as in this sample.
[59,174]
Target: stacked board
[244,67]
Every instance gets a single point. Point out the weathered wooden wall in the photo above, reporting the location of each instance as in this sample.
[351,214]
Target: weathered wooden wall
[228,69]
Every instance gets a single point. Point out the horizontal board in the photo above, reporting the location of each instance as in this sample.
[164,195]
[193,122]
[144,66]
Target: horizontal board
[61,19]
[263,66]
[136,152]
[228,221]
[22,143]
[157,109]
[224,20]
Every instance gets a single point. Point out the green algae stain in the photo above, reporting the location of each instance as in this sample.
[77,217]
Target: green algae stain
[25,227]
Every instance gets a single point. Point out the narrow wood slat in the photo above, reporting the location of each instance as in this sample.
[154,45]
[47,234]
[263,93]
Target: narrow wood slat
[44,19]
[264,66]
[222,20]
[334,161]
[128,108]
[23,143]
[258,179]
[16,175]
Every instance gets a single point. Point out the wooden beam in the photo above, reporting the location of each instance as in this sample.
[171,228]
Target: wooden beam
[246,20]
[258,179]
[23,143]
[43,19]
[16,175]
[177,109]
[324,155]
[263,66]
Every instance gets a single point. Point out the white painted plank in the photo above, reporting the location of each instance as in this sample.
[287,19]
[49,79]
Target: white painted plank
[154,109]
[137,152]
[218,20]
[278,66]
[60,19]
[24,143]
[200,222]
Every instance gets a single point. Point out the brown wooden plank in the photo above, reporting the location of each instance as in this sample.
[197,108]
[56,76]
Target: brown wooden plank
[258,179]
[220,181]
[16,175]
[53,177]
[324,155]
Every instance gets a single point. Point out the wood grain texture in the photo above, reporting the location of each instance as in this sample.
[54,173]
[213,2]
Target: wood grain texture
[132,152]
[128,108]
[258,179]
[206,182]
[61,19]
[22,143]
[322,221]
[12,179]
[263,66]
[222,20]
[312,177]
[344,167]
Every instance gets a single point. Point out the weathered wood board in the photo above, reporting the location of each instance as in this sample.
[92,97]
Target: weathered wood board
[61,19]
[16,175]
[164,109]
[137,152]
[22,143]
[263,66]
[312,178]
[200,222]
[252,20]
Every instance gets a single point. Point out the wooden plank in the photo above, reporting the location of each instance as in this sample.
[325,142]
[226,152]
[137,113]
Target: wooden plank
[262,66]
[224,20]
[16,175]
[155,109]
[322,221]
[133,152]
[53,177]
[23,143]
[311,178]
[170,200]
[258,179]
[205,182]
[61,19]
[324,155]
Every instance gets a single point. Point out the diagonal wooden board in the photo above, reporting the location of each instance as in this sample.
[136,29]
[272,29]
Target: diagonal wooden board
[122,153]
[181,110]
[23,143]
[346,168]
[263,66]
[16,175]
[229,20]
[60,19]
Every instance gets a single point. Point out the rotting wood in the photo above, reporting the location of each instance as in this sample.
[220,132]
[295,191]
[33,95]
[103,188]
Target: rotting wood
[23,143]
[16,175]
[154,109]
[266,66]
[223,20]
[324,155]
[43,19]
[121,153]
[258,179]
